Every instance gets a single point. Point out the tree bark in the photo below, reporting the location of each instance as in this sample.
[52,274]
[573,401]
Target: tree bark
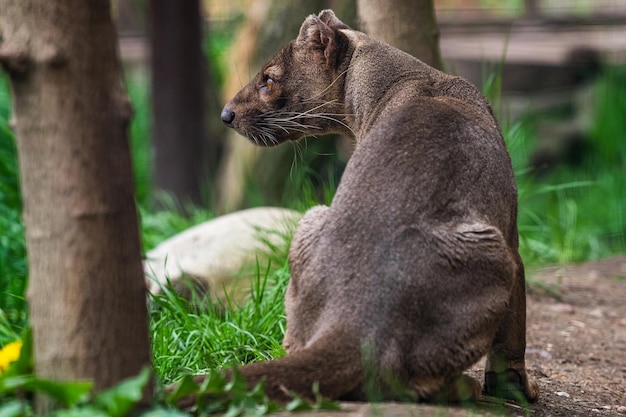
[86,291]
[178,77]
[409,25]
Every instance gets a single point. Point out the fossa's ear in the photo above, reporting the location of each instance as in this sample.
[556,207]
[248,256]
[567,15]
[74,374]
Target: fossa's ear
[321,33]
[328,16]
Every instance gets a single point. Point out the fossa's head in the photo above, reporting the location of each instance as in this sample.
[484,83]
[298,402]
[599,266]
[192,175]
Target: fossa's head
[299,92]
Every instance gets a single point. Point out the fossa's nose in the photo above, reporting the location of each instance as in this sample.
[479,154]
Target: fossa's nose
[228,116]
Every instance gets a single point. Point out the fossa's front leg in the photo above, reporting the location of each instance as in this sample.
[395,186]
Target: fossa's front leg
[505,371]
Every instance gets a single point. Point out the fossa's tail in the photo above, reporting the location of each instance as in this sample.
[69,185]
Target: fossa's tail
[335,366]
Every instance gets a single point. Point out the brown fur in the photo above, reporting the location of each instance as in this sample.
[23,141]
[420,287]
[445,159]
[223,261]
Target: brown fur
[413,273]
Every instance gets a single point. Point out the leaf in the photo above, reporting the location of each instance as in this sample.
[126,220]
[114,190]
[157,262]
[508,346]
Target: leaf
[237,384]
[184,388]
[9,384]
[79,412]
[321,402]
[120,399]
[259,410]
[297,404]
[25,362]
[234,410]
[214,383]
[14,408]
[165,412]
[67,394]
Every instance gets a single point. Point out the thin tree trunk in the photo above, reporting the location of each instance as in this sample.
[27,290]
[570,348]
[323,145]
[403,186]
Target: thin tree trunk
[409,25]
[178,103]
[86,289]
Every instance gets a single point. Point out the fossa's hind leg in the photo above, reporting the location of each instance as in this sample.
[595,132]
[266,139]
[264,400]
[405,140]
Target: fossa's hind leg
[505,371]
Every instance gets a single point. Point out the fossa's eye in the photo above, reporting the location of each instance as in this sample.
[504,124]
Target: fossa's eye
[267,86]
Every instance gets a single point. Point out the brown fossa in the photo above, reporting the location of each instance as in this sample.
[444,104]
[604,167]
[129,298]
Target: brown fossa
[413,272]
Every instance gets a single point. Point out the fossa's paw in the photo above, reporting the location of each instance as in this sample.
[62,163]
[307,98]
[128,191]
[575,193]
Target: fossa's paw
[511,384]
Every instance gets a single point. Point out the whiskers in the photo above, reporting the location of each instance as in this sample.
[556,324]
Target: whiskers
[298,154]
[305,122]
[261,136]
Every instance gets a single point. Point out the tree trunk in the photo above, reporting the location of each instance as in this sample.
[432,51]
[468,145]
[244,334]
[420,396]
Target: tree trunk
[409,25]
[87,292]
[178,78]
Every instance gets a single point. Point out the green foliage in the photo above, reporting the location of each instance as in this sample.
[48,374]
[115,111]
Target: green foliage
[608,131]
[320,403]
[303,193]
[555,228]
[13,272]
[13,267]
[215,47]
[119,400]
[74,398]
[9,178]
[506,7]
[140,143]
[217,395]
[576,213]
[19,379]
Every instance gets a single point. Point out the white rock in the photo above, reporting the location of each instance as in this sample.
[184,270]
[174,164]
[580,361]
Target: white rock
[218,253]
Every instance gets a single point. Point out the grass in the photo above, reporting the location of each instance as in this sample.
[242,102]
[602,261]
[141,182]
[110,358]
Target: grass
[198,335]
[575,213]
[556,226]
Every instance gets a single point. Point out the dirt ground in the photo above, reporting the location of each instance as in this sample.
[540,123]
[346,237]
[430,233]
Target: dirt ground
[576,349]
[576,345]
